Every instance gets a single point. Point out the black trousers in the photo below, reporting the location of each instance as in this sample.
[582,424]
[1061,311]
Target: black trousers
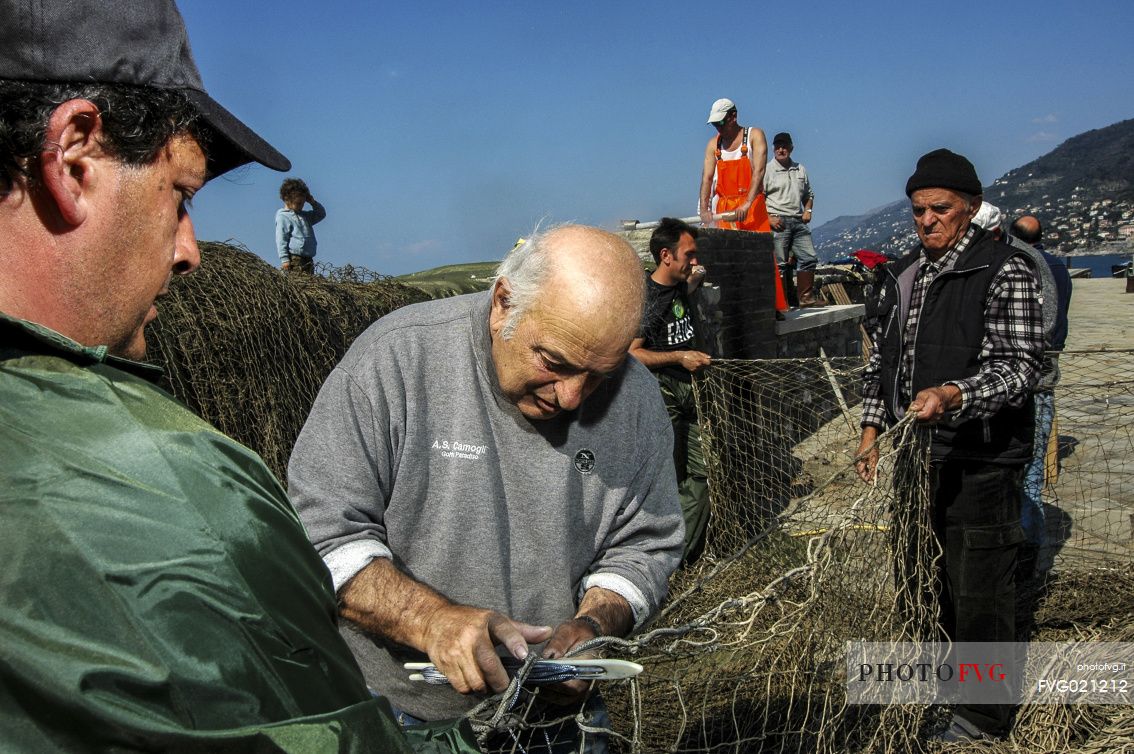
[976,518]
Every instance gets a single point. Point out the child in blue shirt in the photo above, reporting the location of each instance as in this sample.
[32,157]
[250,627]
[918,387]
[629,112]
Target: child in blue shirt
[295,236]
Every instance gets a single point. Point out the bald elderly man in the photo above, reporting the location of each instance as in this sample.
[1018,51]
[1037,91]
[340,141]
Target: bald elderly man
[491,470]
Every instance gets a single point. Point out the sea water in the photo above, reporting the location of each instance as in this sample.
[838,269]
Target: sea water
[1098,265]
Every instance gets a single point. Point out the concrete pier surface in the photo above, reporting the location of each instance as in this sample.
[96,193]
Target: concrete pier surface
[1101,315]
[1089,500]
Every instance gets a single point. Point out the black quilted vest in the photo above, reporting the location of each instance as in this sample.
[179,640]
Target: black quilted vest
[947,347]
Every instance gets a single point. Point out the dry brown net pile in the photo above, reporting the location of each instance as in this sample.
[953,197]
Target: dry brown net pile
[247,346]
[749,654]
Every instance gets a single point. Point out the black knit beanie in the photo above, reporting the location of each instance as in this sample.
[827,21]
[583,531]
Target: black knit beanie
[944,169]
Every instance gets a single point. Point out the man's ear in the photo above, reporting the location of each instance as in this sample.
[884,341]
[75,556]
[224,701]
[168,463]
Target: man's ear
[664,255]
[974,205]
[70,155]
[501,303]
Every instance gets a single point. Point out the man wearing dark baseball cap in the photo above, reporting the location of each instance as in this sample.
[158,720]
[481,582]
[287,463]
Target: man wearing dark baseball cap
[158,592]
[790,201]
[129,43]
[958,343]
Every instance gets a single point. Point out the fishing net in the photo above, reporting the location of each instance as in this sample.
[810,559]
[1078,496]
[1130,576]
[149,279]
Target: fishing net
[801,556]
[248,346]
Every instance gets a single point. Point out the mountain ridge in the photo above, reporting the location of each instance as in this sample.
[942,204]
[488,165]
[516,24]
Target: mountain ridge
[1082,190]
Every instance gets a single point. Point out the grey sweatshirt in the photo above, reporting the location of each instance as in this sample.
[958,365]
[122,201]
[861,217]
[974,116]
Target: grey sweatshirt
[411,452]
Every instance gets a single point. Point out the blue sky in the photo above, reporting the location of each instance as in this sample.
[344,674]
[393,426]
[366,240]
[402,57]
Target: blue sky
[437,133]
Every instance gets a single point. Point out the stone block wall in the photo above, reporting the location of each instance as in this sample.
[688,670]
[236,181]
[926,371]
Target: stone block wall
[742,266]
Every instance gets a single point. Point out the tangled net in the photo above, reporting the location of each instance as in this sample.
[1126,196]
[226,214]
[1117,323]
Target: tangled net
[248,346]
[749,651]
[748,654]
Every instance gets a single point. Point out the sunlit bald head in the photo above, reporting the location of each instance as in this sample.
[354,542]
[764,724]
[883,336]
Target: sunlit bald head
[566,305]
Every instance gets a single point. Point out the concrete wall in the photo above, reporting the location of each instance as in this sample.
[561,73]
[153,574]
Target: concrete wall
[835,329]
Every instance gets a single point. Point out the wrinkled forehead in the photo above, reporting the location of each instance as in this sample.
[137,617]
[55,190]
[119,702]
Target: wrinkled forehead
[190,155]
[938,196]
[588,336]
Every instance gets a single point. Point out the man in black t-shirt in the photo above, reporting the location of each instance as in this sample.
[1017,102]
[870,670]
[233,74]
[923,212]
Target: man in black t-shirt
[666,347]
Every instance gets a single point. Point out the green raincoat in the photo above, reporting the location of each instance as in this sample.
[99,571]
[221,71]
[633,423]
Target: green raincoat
[157,592]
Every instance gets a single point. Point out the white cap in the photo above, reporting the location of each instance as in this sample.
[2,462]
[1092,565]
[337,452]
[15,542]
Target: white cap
[719,110]
[988,216]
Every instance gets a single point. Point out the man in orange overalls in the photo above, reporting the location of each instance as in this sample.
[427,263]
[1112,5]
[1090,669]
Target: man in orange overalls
[733,178]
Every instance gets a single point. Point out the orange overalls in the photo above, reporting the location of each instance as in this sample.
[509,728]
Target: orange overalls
[734,178]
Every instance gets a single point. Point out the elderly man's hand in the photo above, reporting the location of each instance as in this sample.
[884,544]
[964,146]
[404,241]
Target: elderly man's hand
[567,636]
[776,222]
[461,641]
[866,457]
[706,218]
[931,405]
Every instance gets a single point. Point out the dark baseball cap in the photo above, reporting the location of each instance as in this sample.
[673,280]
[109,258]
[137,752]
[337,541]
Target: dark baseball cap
[125,42]
[783,137]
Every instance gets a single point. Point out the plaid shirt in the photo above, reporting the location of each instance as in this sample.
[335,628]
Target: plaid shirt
[1011,349]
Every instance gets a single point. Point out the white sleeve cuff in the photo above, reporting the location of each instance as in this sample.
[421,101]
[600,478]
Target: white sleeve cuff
[346,561]
[624,588]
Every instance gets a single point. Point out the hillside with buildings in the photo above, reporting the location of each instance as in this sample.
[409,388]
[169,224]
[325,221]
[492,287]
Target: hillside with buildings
[1083,191]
